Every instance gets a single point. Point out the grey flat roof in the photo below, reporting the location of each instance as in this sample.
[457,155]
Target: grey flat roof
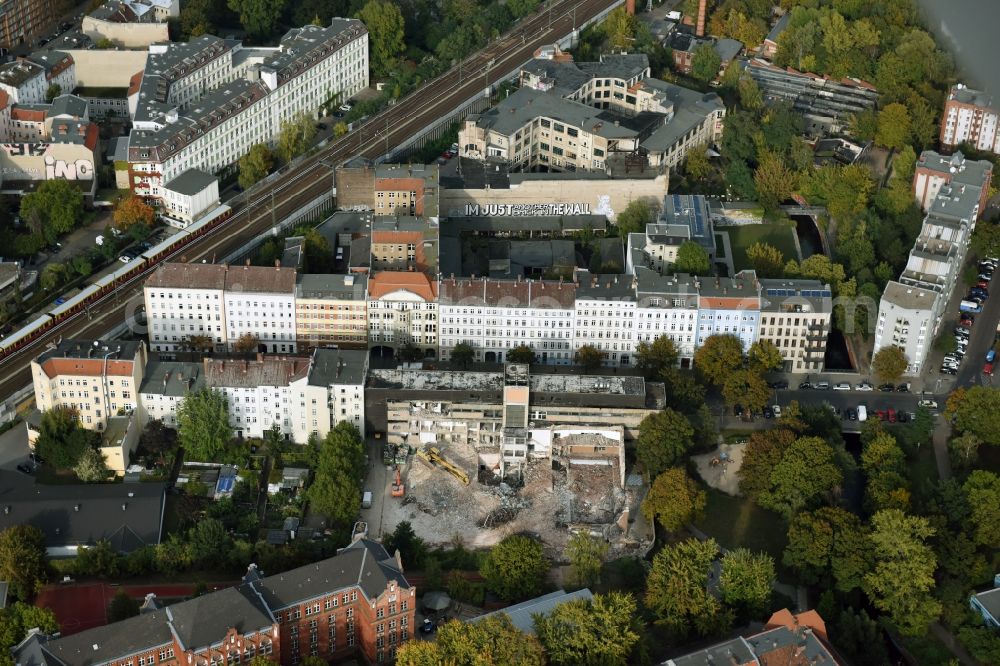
[990,600]
[190,182]
[779,27]
[727,48]
[68,105]
[966,95]
[779,295]
[73,348]
[172,378]
[81,514]
[330,367]
[352,286]
[521,614]
[909,297]
[966,171]
[526,104]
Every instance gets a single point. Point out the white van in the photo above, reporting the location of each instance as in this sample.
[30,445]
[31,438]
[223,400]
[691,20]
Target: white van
[862,413]
[366,500]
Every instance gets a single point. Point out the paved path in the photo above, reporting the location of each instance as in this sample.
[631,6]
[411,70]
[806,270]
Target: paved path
[949,641]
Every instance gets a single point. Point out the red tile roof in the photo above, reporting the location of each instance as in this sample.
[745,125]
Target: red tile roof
[386,282]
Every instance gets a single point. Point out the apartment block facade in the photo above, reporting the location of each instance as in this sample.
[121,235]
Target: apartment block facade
[356,605]
[20,20]
[969,117]
[222,303]
[96,379]
[953,191]
[403,311]
[303,396]
[204,103]
[331,310]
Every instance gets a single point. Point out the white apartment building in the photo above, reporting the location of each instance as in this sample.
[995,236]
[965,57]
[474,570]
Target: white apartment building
[494,316]
[304,396]
[667,306]
[221,302]
[605,316]
[403,311]
[203,104]
[96,379]
[260,301]
[189,196]
[23,81]
[969,117]
[953,191]
[185,300]
[729,306]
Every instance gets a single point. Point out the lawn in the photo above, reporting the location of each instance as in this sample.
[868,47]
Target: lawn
[737,521]
[781,236]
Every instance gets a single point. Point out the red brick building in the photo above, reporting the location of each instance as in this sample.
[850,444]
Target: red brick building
[355,605]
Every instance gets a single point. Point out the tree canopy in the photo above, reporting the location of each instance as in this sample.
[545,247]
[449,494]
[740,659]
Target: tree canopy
[22,559]
[203,425]
[386,34]
[62,441]
[664,437]
[586,556]
[889,363]
[806,473]
[827,547]
[718,357]
[634,218]
[133,211]
[295,137]
[692,258]
[674,500]
[515,568]
[590,357]
[656,356]
[336,489]
[53,209]
[598,632]
[255,165]
[705,63]
[977,410]
[746,579]
[677,587]
[258,17]
[493,641]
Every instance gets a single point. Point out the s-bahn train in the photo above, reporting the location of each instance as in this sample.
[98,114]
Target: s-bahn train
[89,295]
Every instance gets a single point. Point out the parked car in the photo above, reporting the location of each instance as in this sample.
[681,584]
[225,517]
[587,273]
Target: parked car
[929,404]
[768,413]
[737,410]
[780,384]
[988,369]
[903,388]
[948,371]
[851,413]
[26,469]
[986,276]
[37,459]
[903,417]
[822,386]
[887,388]
[990,356]
[864,386]
[777,411]
[842,386]
[805,386]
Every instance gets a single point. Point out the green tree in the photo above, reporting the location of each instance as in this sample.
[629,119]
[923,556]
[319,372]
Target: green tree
[751,96]
[582,632]
[258,17]
[806,473]
[692,258]
[61,440]
[828,547]
[859,638]
[718,357]
[53,91]
[764,356]
[964,450]
[884,464]
[656,356]
[674,500]
[411,548]
[983,491]
[590,357]
[336,490]
[297,135]
[746,579]
[677,587]
[746,387]
[22,559]
[620,29]
[81,265]
[133,211]
[91,468]
[55,208]
[705,63]
[172,555]
[901,580]
[634,218]
[664,438]
[208,541]
[463,355]
[889,363]
[696,164]
[255,165]
[203,425]
[893,126]
[762,453]
[16,619]
[774,181]
[122,607]
[386,34]
[247,343]
[53,275]
[521,354]
[199,17]
[977,411]
[844,190]
[515,568]
[766,259]
[493,641]
[586,556]
[986,238]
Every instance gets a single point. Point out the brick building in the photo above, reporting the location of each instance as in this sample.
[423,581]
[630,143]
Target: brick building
[355,605]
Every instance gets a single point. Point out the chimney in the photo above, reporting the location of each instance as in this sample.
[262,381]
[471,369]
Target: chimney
[700,28]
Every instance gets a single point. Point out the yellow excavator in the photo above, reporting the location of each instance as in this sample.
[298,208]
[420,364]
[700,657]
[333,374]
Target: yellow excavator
[433,457]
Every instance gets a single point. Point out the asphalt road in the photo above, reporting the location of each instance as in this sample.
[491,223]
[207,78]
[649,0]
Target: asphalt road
[872,400]
[313,176]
